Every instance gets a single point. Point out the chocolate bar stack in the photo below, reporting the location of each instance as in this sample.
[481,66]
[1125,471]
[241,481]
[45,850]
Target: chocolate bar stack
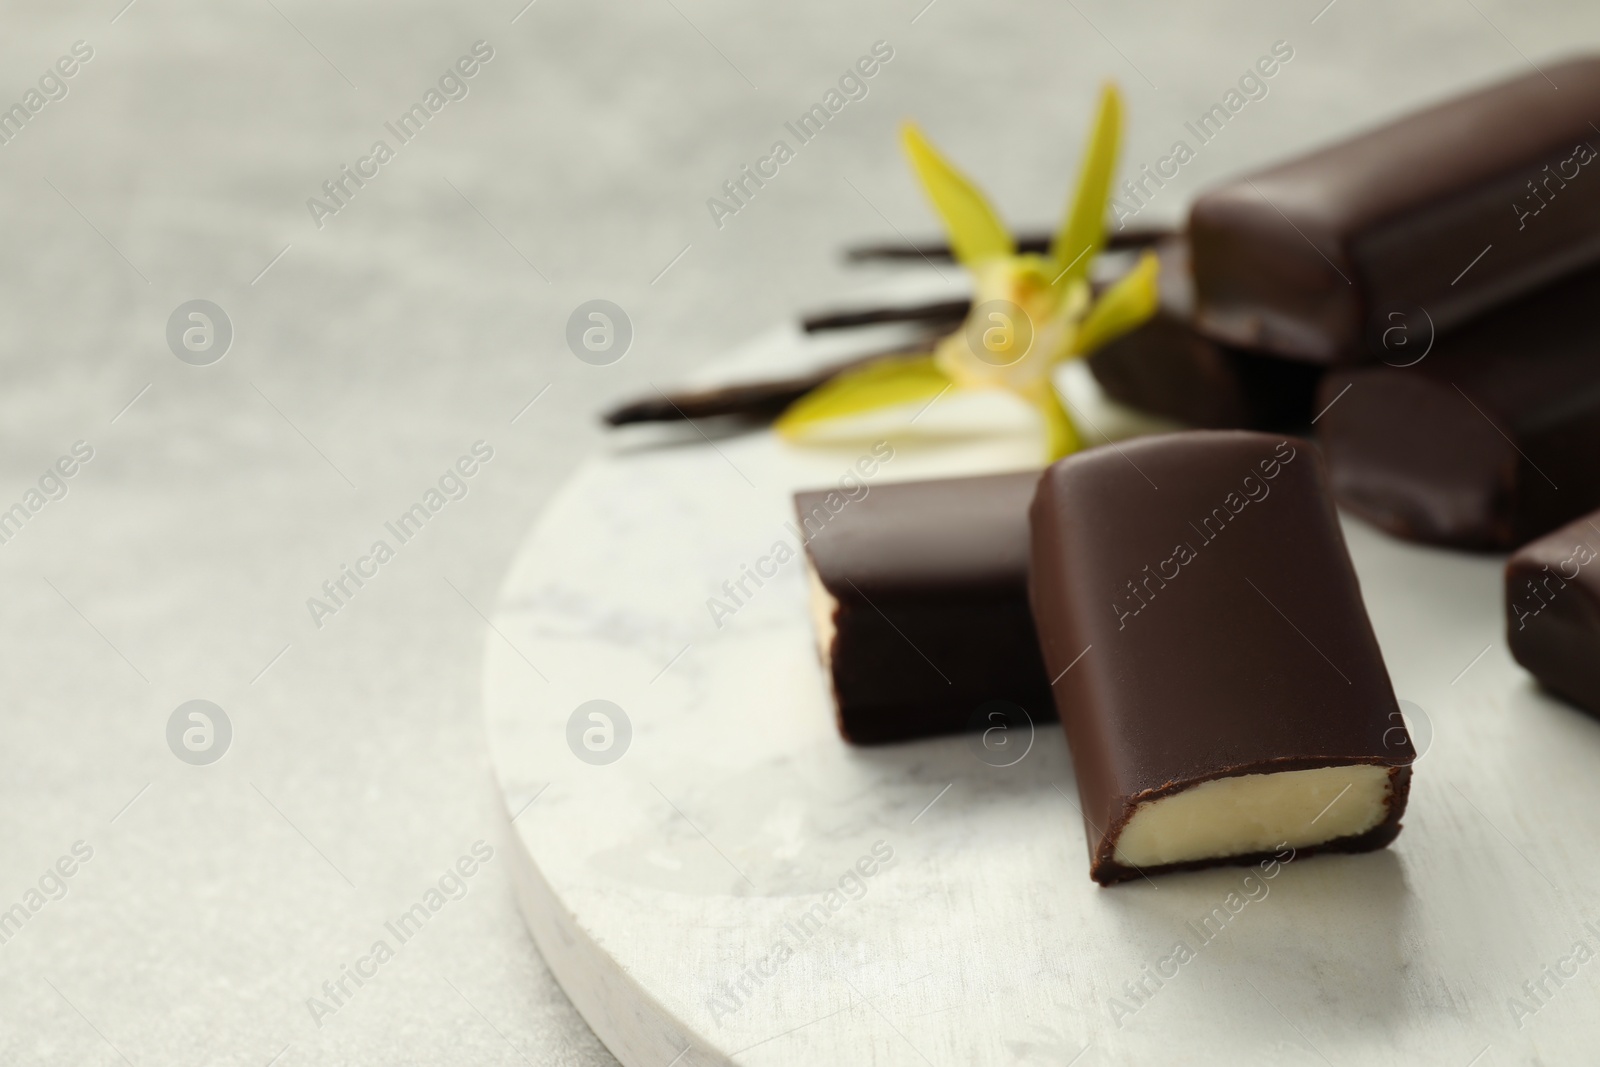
[1443,270]
[1422,296]
[1421,292]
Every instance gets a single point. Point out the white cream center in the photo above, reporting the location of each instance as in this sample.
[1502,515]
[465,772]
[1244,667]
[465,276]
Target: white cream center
[823,609]
[1255,813]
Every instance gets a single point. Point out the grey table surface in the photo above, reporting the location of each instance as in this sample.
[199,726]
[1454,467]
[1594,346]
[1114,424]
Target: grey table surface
[372,350]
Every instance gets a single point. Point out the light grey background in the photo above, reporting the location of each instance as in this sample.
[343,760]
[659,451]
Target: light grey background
[422,318]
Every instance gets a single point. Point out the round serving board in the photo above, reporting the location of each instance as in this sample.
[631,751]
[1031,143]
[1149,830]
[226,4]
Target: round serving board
[740,886]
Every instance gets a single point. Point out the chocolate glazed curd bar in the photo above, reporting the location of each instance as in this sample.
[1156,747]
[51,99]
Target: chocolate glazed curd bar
[1167,367]
[920,604]
[1230,698]
[1489,441]
[1456,208]
[1553,611]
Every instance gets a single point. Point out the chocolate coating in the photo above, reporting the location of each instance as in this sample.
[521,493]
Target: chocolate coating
[1299,259]
[1487,442]
[1553,611]
[1167,367]
[1249,653]
[932,618]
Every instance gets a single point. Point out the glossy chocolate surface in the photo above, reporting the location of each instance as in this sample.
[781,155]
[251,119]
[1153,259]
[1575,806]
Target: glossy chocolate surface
[1491,440]
[1553,611]
[932,618]
[1203,580]
[1457,208]
[1167,367]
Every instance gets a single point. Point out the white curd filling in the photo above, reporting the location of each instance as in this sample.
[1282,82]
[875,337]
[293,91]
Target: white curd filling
[1255,813]
[823,609]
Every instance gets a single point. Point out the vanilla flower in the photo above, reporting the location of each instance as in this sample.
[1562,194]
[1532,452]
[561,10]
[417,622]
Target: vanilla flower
[1029,312]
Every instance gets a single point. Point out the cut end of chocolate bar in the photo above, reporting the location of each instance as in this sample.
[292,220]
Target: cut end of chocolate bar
[1248,814]
[824,615]
[1222,690]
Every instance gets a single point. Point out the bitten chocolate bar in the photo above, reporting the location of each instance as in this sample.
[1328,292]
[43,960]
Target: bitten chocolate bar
[1166,367]
[919,596]
[1220,684]
[1553,611]
[1456,208]
[1489,441]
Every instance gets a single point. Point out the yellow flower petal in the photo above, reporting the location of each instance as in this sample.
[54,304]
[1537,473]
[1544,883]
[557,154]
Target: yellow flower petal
[1127,304]
[1061,436]
[891,381]
[976,232]
[1084,227]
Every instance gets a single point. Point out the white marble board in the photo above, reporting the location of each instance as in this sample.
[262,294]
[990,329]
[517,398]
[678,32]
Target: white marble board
[666,888]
